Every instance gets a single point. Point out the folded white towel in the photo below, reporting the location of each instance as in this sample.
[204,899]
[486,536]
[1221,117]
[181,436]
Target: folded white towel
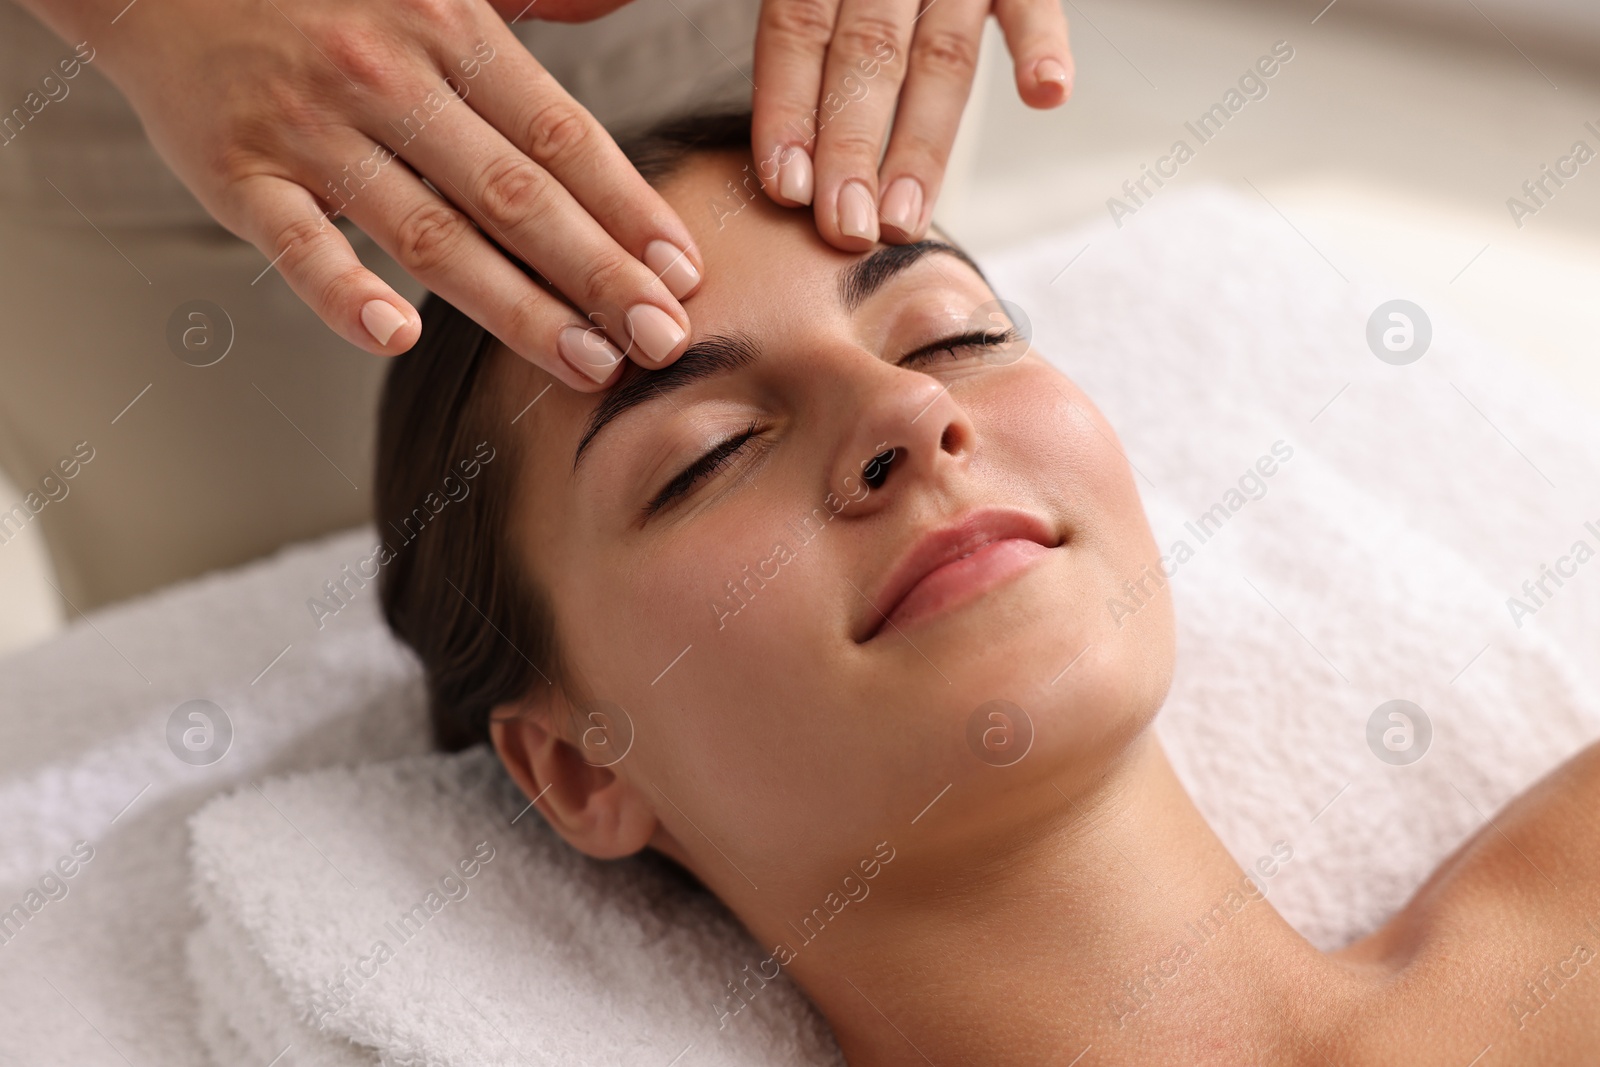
[99,974]
[413,917]
[1207,330]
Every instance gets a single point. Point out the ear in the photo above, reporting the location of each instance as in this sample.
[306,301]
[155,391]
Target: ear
[597,810]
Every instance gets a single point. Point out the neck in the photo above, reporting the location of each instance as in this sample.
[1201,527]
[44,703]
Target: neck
[1119,921]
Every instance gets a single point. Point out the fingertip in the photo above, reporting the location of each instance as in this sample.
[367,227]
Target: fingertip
[585,384]
[768,173]
[893,235]
[1049,83]
[609,380]
[844,242]
[393,324]
[900,213]
[591,360]
[856,212]
[674,266]
[657,335]
[795,181]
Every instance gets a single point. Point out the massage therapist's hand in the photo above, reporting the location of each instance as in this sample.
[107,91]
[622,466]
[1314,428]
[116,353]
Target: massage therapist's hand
[274,112]
[840,71]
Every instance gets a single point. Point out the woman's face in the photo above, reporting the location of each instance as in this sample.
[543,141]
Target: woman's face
[799,656]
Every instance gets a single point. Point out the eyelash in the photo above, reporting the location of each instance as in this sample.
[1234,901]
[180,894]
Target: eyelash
[972,339]
[720,454]
[714,459]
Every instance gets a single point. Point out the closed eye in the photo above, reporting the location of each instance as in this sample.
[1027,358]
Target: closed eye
[714,459]
[721,454]
[962,344]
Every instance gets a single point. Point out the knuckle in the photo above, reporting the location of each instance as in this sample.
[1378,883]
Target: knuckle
[855,144]
[429,237]
[435,12]
[804,21]
[525,320]
[944,52]
[346,287]
[558,131]
[288,103]
[924,153]
[864,34]
[602,276]
[251,138]
[297,240]
[513,192]
[233,159]
[367,56]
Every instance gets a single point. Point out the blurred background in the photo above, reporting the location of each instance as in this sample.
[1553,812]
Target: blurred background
[1394,137]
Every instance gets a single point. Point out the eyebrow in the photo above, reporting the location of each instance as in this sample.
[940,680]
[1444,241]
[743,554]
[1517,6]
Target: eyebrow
[722,354]
[864,277]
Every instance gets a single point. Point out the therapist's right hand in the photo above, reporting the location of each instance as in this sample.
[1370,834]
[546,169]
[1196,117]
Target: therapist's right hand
[272,112]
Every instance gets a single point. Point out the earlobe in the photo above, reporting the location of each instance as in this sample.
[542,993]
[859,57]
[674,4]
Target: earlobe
[597,810]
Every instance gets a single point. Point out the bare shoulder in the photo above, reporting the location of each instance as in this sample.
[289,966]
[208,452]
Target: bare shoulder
[1499,951]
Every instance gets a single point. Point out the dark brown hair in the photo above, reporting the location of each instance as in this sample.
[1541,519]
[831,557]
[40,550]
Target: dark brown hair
[450,587]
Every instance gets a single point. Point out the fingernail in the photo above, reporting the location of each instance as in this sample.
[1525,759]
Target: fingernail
[1050,69]
[672,266]
[588,352]
[794,175]
[902,205]
[381,319]
[856,217]
[656,332]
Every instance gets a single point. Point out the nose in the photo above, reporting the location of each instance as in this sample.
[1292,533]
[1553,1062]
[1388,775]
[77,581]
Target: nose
[905,429]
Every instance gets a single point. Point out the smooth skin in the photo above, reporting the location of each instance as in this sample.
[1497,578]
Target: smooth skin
[264,108]
[772,751]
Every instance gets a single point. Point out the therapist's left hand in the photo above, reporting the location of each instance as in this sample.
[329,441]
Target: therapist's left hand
[831,75]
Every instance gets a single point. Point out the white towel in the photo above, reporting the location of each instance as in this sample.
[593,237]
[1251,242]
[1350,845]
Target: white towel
[397,907]
[1207,330]
[99,974]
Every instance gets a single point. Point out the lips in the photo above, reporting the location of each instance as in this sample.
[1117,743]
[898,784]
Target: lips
[953,564]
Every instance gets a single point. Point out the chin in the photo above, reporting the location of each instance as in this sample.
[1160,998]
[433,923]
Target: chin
[1042,649]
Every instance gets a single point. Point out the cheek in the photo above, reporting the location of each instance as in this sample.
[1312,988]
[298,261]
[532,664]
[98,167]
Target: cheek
[723,620]
[723,650]
[1045,438]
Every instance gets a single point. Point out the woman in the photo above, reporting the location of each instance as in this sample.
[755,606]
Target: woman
[818,613]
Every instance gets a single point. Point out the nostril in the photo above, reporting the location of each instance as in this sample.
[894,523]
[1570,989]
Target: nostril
[877,469]
[947,440]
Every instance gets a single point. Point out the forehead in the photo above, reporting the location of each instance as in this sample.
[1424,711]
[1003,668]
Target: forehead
[759,256]
[764,264]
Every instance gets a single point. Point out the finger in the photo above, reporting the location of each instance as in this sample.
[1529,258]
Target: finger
[527,210]
[291,229]
[860,83]
[1036,36]
[791,46]
[940,67]
[440,247]
[518,97]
